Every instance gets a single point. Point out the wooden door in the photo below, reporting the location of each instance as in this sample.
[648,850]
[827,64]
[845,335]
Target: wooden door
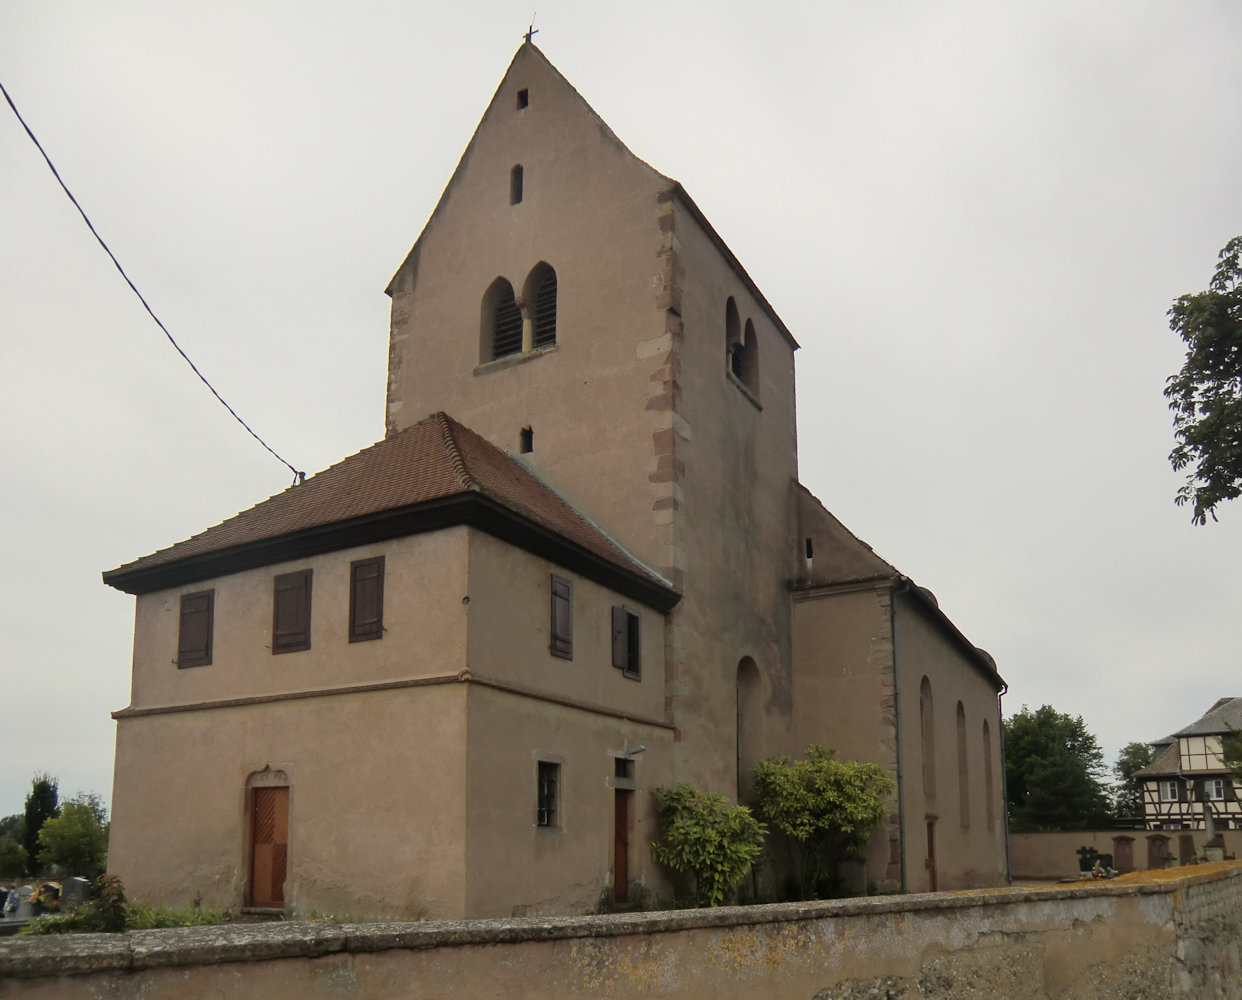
[269,854]
[621,846]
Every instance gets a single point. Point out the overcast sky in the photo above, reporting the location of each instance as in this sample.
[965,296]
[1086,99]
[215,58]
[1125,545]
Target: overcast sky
[972,215]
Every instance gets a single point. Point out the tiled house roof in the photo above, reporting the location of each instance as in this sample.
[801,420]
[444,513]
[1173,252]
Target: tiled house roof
[431,475]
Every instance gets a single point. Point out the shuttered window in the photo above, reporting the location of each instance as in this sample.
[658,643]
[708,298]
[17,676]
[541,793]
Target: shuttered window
[194,635]
[506,326]
[291,612]
[366,599]
[545,311]
[562,629]
[626,641]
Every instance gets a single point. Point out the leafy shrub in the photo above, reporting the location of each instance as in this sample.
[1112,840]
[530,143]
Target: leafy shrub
[701,833]
[828,807]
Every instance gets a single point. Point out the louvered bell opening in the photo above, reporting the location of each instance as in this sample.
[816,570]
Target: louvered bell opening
[545,312]
[507,330]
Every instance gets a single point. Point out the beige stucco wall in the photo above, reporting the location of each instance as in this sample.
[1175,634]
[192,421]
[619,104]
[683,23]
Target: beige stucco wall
[414,800]
[1174,940]
[843,693]
[515,866]
[376,803]
[634,416]
[509,615]
[967,853]
[424,583]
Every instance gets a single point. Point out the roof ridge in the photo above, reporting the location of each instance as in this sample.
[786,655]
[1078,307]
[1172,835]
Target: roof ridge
[456,458]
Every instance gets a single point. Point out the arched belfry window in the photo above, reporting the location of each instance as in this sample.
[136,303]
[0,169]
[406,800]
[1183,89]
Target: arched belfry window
[741,348]
[540,295]
[501,322]
[733,330]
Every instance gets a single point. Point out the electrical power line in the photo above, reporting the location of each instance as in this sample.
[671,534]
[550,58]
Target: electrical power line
[297,475]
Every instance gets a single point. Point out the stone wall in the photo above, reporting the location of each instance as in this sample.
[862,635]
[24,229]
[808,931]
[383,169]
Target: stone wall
[1165,934]
[1054,856]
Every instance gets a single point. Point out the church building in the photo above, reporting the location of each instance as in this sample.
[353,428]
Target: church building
[443,677]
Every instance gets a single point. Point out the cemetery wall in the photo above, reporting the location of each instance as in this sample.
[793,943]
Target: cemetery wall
[1166,934]
[1054,856]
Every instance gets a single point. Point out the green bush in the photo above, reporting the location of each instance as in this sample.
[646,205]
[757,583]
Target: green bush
[701,833]
[828,807]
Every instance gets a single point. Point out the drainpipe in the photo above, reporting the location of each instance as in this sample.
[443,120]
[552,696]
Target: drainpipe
[1000,716]
[897,591]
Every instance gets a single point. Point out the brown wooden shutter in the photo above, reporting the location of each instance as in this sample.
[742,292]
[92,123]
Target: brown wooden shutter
[562,628]
[291,612]
[194,637]
[620,633]
[366,599]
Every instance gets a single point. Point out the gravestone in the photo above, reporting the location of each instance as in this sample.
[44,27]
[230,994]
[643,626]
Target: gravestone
[73,893]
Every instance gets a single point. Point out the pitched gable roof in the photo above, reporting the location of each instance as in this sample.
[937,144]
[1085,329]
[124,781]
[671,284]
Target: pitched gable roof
[530,57]
[431,475]
[1222,717]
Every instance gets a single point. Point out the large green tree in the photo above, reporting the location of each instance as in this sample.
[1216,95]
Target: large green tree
[42,804]
[1206,395]
[1128,789]
[77,839]
[828,807]
[1054,771]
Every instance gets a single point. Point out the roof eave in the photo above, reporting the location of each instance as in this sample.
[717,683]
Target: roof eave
[469,508]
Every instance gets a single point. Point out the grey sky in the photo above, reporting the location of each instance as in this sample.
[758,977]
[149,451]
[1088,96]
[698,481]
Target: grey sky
[973,217]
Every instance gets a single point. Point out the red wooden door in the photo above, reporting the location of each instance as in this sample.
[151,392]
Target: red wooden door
[269,855]
[621,846]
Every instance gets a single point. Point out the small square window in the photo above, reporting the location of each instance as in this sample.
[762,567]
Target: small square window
[523,98]
[622,767]
[548,794]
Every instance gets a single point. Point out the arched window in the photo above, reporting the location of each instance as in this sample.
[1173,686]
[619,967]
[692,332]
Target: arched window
[500,322]
[988,787]
[927,734]
[963,774]
[741,348]
[749,713]
[539,293]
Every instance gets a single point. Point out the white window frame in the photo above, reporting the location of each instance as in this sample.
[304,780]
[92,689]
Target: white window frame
[1169,790]
[1214,789]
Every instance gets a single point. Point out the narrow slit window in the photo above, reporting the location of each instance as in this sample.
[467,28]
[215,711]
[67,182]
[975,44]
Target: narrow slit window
[527,441]
[523,98]
[515,184]
[548,794]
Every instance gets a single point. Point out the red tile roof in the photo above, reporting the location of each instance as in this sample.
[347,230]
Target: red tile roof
[435,460]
